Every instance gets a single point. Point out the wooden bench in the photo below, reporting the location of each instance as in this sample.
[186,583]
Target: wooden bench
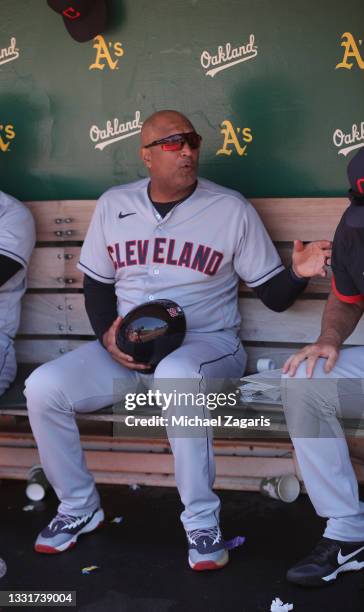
[54,321]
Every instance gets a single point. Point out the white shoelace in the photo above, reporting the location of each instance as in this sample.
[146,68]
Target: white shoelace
[213,532]
[68,520]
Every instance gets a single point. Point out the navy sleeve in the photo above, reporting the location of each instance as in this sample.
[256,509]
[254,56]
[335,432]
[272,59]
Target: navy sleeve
[8,267]
[101,305]
[280,292]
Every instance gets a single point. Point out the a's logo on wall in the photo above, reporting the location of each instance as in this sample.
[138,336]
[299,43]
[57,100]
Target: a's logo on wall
[8,54]
[106,52]
[227,56]
[7,134]
[115,131]
[352,54]
[234,139]
[349,141]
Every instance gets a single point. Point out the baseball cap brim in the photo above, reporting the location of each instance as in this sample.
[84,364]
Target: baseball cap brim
[87,27]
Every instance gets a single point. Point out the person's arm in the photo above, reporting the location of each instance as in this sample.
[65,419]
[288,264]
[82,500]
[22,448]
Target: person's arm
[101,307]
[8,267]
[339,320]
[258,264]
[100,303]
[280,292]
[312,258]
[343,309]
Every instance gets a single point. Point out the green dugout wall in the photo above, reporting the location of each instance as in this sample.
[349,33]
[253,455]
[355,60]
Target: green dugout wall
[276,89]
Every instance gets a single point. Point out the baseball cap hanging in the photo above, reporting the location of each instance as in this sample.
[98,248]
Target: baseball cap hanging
[84,19]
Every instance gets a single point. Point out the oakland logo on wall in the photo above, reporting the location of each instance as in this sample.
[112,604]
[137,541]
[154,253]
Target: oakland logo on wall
[115,131]
[351,52]
[227,56]
[350,140]
[107,54]
[235,138]
[10,53]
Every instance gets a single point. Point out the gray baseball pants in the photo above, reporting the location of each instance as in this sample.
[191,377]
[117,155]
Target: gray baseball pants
[88,379]
[316,411]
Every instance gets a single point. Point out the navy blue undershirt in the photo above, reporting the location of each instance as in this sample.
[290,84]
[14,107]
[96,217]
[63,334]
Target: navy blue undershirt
[163,208]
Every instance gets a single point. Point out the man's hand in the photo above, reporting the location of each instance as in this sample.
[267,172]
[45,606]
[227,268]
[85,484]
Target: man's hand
[311,259]
[311,353]
[109,341]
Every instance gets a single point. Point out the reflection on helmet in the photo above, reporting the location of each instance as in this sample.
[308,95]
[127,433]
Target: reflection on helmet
[146,329]
[151,331]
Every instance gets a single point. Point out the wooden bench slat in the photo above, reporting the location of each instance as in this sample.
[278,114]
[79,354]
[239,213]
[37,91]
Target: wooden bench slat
[301,323]
[45,350]
[44,313]
[61,221]
[285,218]
[302,218]
[64,314]
[55,268]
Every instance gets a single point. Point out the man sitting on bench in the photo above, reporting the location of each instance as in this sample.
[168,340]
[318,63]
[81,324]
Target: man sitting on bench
[329,383]
[172,236]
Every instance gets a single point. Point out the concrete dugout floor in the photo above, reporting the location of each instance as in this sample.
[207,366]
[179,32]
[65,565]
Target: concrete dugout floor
[143,563]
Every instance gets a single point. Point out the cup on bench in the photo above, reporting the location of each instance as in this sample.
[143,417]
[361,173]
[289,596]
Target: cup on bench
[37,485]
[286,488]
[265,364]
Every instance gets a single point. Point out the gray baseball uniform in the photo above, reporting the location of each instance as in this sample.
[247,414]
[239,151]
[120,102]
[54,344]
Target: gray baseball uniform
[17,239]
[194,255]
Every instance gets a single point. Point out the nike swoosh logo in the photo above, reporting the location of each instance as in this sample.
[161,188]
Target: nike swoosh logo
[121,216]
[343,558]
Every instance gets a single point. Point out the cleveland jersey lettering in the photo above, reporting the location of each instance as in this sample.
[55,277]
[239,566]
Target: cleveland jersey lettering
[135,252]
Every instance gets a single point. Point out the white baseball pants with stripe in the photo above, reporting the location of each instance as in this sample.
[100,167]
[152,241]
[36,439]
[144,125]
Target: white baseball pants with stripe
[314,408]
[84,381]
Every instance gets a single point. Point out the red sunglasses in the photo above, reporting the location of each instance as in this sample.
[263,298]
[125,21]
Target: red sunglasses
[176,142]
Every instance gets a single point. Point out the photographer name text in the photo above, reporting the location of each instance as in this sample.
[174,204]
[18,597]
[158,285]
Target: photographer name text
[196,421]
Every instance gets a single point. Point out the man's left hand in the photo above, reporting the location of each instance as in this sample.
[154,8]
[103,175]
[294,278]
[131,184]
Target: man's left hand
[311,259]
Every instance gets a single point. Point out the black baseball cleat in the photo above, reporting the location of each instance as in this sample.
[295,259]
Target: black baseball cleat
[327,560]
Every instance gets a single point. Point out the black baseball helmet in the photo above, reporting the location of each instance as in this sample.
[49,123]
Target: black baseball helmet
[151,331]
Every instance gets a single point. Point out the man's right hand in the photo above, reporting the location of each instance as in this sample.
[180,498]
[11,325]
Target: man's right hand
[109,342]
[311,353]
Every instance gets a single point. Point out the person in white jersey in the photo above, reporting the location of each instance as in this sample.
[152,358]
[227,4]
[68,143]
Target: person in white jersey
[17,239]
[172,236]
